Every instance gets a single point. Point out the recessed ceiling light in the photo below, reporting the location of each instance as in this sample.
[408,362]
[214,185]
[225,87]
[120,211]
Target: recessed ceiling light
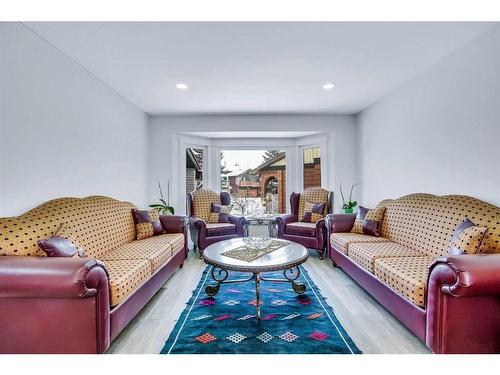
[181,86]
[328,86]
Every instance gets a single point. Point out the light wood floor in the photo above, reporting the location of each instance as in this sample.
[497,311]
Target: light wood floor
[372,328]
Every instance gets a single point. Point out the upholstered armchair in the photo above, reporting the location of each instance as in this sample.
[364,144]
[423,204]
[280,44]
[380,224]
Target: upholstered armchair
[207,228]
[304,226]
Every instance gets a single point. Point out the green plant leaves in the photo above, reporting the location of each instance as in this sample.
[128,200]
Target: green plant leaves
[350,204]
[163,207]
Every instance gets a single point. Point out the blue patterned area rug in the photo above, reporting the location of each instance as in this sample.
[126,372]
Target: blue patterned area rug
[227,323]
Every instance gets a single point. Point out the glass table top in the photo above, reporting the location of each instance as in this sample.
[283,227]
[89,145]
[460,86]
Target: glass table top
[285,257]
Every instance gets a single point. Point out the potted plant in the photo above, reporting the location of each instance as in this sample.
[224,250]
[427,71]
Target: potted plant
[350,204]
[163,207]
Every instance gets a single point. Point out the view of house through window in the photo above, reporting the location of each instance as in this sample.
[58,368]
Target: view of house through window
[312,167]
[194,169]
[255,179]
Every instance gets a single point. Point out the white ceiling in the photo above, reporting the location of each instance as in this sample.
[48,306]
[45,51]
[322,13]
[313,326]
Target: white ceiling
[256,67]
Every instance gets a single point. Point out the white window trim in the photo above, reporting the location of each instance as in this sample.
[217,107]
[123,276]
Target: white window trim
[179,154]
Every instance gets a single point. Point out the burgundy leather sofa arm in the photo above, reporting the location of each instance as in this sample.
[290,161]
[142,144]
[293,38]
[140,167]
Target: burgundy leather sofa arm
[282,221]
[199,227]
[466,275]
[320,224]
[336,223]
[53,305]
[286,219]
[321,233]
[174,223]
[239,221]
[43,277]
[463,304]
[199,224]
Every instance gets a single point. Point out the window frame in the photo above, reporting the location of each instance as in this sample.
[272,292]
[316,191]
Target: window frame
[313,142]
[212,147]
[256,146]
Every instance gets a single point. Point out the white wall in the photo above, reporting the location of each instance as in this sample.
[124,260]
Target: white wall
[341,153]
[62,131]
[65,133]
[439,132]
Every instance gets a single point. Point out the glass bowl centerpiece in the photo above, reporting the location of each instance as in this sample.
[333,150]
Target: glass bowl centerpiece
[257,243]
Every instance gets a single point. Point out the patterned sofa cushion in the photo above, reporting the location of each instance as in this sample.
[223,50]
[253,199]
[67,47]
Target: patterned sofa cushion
[341,241]
[313,212]
[426,222]
[358,223]
[156,250]
[220,213]
[312,195]
[467,238]
[147,223]
[405,275]
[365,254]
[177,242]
[368,221]
[100,224]
[125,276]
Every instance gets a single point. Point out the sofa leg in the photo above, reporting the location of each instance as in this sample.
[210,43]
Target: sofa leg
[320,253]
[334,264]
[181,265]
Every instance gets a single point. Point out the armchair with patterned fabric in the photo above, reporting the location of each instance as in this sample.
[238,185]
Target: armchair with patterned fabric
[306,224]
[210,220]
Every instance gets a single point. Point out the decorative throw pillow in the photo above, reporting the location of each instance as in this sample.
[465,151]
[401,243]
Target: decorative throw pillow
[57,246]
[219,213]
[373,221]
[466,238]
[313,212]
[368,221]
[147,223]
[358,223]
[62,244]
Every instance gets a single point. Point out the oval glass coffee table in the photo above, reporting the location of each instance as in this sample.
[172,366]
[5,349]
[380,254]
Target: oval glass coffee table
[229,255]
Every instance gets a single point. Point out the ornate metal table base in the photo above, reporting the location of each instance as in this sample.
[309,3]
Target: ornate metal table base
[270,222]
[220,275]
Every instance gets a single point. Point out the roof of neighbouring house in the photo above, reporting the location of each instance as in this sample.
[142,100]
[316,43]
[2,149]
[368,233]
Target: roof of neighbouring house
[237,173]
[268,163]
[191,160]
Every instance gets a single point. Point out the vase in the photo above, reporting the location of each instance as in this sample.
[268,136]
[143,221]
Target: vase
[348,210]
